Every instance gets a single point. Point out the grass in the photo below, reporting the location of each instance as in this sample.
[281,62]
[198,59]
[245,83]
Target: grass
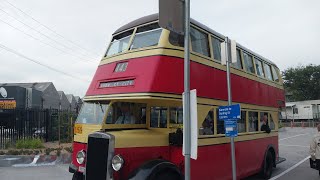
[29,144]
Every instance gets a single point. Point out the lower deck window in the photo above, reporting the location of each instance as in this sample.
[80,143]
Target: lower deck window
[242,122]
[207,127]
[253,121]
[158,117]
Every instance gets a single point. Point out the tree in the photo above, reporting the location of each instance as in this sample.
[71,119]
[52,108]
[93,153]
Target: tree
[303,82]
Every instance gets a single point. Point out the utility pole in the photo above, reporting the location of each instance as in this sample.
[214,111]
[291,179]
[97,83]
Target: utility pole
[187,110]
[234,173]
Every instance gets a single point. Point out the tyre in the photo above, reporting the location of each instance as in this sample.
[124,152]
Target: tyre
[267,166]
[167,175]
[77,176]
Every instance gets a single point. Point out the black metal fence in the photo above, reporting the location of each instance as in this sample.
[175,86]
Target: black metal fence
[48,124]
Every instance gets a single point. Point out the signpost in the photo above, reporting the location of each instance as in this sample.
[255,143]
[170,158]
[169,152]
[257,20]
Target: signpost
[230,131]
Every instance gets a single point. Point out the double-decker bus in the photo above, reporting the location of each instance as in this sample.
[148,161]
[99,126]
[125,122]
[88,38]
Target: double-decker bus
[135,101]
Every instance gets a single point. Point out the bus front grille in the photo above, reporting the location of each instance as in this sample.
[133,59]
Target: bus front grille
[100,151]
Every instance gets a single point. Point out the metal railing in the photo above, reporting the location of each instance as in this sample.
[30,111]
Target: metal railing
[48,125]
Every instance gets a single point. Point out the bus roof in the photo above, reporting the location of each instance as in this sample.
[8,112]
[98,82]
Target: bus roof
[155,17]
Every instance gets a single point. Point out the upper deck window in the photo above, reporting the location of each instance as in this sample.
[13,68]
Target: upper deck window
[119,43]
[216,45]
[176,39]
[238,64]
[146,36]
[267,70]
[259,68]
[199,41]
[248,62]
[275,74]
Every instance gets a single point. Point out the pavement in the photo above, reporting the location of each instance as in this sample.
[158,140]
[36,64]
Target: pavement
[293,145]
[56,172]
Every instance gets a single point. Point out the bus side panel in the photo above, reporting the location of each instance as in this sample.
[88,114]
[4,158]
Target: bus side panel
[214,161]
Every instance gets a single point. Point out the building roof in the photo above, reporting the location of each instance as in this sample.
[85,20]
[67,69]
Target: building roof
[155,17]
[40,86]
[70,97]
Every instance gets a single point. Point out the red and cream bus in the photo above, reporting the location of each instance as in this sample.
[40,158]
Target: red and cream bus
[135,102]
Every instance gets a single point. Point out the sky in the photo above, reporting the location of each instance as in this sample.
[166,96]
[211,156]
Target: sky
[69,38]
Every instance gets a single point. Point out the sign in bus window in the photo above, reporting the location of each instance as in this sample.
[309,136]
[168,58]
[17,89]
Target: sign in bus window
[176,115]
[207,127]
[253,121]
[158,117]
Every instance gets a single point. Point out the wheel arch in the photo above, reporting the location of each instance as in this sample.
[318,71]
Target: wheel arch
[149,169]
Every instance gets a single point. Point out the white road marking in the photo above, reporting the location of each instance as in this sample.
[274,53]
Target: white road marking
[292,136]
[291,168]
[289,145]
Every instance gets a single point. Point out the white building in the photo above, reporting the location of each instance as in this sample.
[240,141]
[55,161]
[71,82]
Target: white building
[302,110]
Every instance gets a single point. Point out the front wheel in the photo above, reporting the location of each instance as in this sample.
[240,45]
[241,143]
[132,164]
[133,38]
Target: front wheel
[167,175]
[77,176]
[267,166]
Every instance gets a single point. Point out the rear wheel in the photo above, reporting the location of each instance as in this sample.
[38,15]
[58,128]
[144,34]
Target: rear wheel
[77,176]
[267,166]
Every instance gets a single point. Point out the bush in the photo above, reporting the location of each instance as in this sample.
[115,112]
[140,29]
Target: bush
[29,144]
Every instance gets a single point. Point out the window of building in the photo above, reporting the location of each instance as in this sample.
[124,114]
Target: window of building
[176,115]
[238,64]
[176,39]
[259,68]
[242,122]
[216,45]
[158,117]
[248,62]
[207,127]
[267,70]
[220,124]
[253,121]
[119,43]
[275,74]
[199,42]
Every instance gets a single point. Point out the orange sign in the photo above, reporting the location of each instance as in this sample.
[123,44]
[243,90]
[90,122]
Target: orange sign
[8,104]
[77,129]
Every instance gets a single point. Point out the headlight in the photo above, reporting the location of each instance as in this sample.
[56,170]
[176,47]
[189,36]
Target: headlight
[117,162]
[81,156]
